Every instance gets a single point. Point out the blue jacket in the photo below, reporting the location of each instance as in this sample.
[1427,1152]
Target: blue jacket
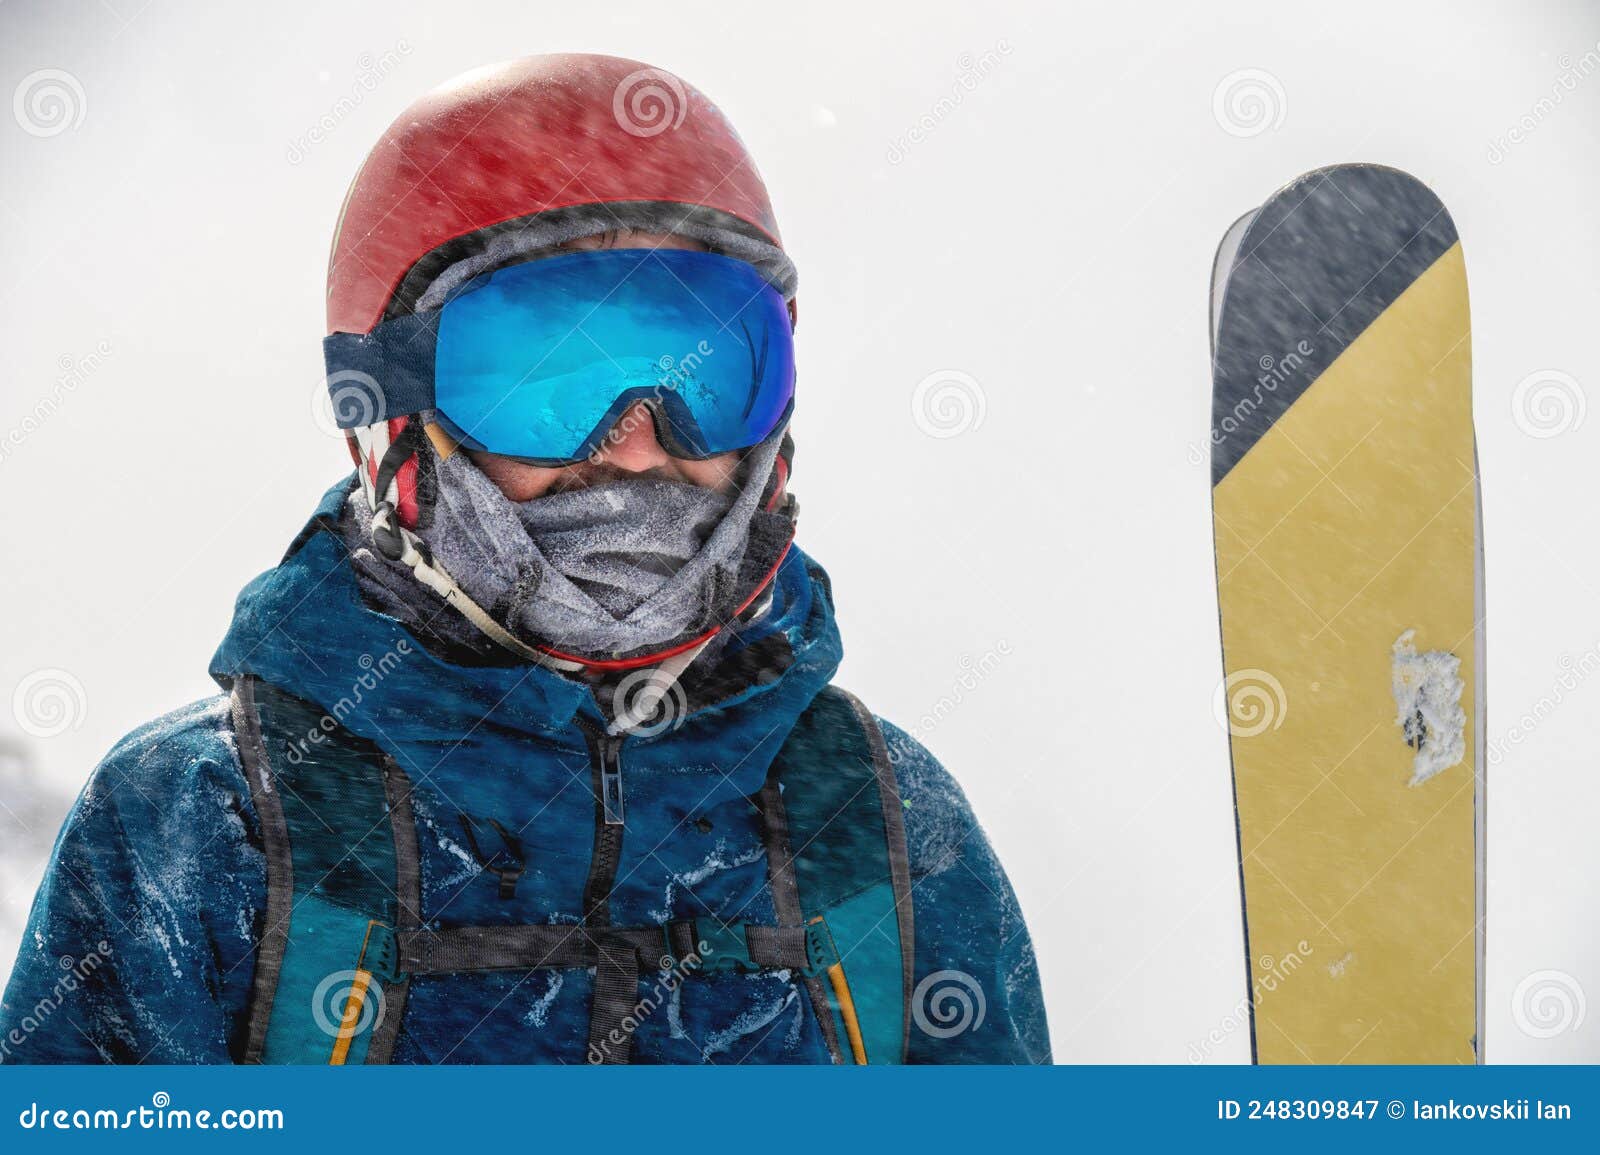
[140,946]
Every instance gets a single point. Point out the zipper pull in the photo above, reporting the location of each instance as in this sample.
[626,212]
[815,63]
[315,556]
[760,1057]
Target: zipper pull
[610,751]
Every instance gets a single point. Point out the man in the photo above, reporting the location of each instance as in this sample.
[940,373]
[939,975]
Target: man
[528,751]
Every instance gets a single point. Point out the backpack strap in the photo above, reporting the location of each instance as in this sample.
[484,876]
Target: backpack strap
[836,841]
[342,931]
[341,851]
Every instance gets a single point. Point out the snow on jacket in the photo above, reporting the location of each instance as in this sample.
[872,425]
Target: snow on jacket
[141,944]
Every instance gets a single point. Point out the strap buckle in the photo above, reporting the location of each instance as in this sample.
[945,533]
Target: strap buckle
[722,948]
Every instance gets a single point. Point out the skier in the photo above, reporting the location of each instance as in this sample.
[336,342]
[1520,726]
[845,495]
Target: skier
[527,750]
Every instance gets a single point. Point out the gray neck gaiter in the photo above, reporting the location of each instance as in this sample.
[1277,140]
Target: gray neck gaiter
[617,569]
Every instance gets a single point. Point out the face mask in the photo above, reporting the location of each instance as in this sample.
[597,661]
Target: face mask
[614,570]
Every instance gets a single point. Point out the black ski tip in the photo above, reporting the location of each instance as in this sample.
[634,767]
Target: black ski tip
[1323,257]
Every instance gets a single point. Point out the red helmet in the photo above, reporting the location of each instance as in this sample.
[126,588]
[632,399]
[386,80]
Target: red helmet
[496,148]
[503,162]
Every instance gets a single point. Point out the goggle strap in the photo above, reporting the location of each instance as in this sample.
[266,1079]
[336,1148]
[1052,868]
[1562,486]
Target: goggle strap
[382,374]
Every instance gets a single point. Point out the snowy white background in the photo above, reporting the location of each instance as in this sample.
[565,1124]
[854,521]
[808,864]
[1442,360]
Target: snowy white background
[1045,227]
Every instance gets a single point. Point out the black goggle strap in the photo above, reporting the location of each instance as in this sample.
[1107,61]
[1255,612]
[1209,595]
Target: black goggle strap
[382,374]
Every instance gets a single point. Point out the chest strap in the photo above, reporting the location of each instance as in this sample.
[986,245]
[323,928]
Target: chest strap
[689,945]
[620,955]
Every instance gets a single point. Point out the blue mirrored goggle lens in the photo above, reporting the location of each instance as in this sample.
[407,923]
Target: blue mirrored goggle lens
[538,360]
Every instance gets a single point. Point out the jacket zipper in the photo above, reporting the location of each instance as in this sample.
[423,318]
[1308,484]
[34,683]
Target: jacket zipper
[605,753]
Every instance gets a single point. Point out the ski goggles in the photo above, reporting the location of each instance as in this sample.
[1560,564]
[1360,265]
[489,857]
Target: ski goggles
[538,361]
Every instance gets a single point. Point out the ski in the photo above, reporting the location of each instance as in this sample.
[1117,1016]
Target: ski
[1348,533]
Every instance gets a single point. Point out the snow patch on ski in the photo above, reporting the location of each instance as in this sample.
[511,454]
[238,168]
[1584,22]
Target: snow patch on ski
[1427,698]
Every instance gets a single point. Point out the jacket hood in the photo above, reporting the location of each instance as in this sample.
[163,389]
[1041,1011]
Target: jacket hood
[304,627]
